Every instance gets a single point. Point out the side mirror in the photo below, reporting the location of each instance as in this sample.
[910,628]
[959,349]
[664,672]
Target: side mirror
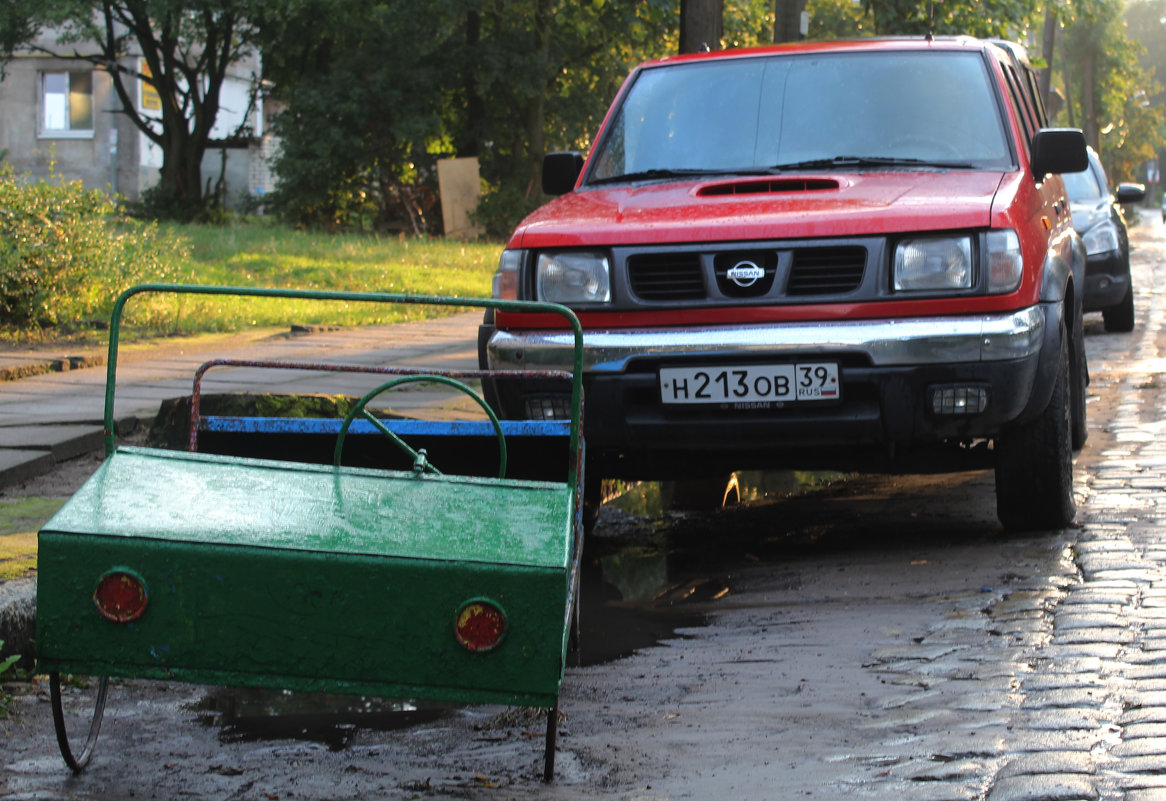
[1058,150]
[1130,193]
[561,171]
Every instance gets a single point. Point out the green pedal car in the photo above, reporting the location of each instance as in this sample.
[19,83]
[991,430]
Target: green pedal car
[407,581]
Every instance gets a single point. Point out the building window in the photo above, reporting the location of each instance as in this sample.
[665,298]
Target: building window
[67,103]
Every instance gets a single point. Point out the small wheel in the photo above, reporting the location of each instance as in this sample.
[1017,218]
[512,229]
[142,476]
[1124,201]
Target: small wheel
[420,464]
[77,762]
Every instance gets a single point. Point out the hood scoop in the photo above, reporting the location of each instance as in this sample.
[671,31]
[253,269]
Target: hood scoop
[768,186]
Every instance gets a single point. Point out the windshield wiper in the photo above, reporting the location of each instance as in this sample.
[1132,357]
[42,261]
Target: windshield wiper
[658,174]
[869,161]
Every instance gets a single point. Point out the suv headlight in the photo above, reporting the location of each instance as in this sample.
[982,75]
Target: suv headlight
[933,263]
[572,277]
[1101,238]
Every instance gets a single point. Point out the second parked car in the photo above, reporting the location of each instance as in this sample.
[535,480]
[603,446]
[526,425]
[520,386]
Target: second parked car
[1098,217]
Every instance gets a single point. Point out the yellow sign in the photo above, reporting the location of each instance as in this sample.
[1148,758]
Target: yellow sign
[149,98]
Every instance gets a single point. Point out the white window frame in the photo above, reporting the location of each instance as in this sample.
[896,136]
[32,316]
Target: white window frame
[55,103]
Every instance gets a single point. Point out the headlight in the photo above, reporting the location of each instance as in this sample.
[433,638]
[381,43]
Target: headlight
[933,264]
[573,277]
[1005,262]
[505,281]
[1101,238]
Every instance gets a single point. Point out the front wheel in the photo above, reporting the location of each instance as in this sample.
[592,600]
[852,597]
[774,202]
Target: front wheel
[1034,463]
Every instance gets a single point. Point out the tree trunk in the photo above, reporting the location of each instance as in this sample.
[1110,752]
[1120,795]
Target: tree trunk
[1048,48]
[701,25]
[469,142]
[1088,103]
[787,20]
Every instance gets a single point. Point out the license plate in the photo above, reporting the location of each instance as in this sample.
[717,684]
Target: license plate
[751,383]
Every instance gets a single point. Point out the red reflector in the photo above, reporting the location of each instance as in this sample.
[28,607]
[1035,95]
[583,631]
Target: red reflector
[120,596]
[480,625]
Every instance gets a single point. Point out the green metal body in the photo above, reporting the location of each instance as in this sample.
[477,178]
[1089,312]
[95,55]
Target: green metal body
[310,577]
[318,578]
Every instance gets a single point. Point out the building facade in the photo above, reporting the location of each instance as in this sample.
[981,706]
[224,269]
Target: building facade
[62,116]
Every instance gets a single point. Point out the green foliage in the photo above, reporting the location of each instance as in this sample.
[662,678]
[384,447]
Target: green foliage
[7,664]
[839,19]
[354,138]
[65,254]
[503,82]
[1108,94]
[7,672]
[986,18]
[501,209]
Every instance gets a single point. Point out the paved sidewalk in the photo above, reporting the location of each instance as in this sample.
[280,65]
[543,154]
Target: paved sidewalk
[52,404]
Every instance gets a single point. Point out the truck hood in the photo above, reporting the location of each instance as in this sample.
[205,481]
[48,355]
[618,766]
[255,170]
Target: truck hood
[786,207]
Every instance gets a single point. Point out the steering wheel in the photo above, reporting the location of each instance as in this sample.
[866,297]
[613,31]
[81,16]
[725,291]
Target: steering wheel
[917,145]
[420,458]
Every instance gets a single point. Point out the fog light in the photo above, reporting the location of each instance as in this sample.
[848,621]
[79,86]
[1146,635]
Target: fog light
[958,400]
[548,407]
[120,595]
[480,625]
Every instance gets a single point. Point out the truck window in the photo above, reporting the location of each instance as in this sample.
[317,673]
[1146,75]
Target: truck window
[756,113]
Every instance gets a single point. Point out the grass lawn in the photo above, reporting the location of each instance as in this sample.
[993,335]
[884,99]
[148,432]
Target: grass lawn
[262,255]
[19,522]
[265,254]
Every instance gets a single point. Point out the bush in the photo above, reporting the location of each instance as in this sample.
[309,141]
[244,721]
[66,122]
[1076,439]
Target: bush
[65,254]
[503,208]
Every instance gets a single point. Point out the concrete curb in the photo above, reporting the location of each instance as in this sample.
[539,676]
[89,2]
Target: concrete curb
[14,367]
[18,620]
[31,451]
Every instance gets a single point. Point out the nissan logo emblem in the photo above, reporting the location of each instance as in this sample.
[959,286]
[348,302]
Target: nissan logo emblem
[745,274]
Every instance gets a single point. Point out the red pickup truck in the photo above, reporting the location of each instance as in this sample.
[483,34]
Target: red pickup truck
[842,255]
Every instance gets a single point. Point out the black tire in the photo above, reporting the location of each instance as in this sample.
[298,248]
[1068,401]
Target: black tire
[1079,376]
[1034,463]
[1119,319]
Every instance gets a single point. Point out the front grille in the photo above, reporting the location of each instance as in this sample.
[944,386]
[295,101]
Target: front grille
[666,276]
[826,271]
[758,273]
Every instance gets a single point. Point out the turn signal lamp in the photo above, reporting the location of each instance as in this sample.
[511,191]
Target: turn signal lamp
[480,625]
[120,595]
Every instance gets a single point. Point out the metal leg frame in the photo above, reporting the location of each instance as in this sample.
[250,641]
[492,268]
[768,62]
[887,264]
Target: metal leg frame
[77,763]
[552,737]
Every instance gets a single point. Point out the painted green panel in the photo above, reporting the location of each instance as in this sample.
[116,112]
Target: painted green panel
[194,497]
[298,619]
[309,577]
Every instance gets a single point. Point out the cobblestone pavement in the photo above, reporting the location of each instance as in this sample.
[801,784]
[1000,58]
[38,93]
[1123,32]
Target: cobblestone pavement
[1065,698]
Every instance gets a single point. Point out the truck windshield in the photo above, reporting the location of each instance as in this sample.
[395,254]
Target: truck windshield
[838,111]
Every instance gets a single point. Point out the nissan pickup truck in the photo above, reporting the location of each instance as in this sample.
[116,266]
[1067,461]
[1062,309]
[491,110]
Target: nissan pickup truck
[853,256]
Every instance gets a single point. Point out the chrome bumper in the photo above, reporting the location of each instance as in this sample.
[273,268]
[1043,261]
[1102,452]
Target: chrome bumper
[913,341]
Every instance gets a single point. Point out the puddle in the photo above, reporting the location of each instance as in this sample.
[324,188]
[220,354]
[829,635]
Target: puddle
[246,714]
[653,498]
[632,596]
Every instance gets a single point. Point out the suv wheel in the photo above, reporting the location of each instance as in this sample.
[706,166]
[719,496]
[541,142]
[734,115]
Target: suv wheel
[1034,463]
[1079,379]
[1119,319]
